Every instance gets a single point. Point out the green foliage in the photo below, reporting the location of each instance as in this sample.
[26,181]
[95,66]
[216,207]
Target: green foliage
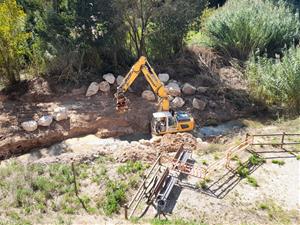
[275,212]
[252,181]
[277,81]
[115,195]
[171,24]
[13,40]
[256,160]
[131,167]
[243,171]
[241,27]
[298,157]
[278,162]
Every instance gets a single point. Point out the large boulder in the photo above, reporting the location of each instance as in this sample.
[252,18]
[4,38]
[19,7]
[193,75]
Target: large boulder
[104,86]
[45,121]
[92,89]
[119,79]
[178,102]
[29,125]
[173,89]
[148,95]
[60,113]
[202,90]
[109,77]
[188,89]
[164,77]
[199,104]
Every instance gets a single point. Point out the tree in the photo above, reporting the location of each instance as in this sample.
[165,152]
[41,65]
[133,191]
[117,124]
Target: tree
[137,15]
[13,40]
[173,21]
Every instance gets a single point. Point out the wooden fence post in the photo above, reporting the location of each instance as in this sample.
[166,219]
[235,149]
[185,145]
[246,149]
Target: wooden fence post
[282,139]
[126,211]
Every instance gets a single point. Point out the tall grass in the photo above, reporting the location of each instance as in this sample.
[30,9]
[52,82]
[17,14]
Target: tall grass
[243,26]
[277,81]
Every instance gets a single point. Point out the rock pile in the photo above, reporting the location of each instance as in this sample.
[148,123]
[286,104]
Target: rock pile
[59,114]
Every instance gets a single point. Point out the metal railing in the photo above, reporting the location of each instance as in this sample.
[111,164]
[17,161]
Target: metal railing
[151,185]
[281,143]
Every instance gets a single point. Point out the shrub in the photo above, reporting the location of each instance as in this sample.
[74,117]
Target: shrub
[276,81]
[115,195]
[278,162]
[252,181]
[242,171]
[131,167]
[13,41]
[256,160]
[241,27]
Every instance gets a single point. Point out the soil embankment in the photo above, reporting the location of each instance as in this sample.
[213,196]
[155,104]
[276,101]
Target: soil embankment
[220,89]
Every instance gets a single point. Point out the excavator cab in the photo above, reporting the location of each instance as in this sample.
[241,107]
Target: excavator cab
[171,122]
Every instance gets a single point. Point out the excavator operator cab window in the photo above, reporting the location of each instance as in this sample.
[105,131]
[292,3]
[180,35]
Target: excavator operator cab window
[160,124]
[171,121]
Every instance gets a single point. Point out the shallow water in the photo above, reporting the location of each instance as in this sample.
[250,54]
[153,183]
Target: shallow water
[221,129]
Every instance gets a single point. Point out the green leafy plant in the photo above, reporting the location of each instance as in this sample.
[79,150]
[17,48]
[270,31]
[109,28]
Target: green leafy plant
[256,160]
[131,167]
[276,81]
[278,162]
[241,27]
[13,40]
[115,195]
[252,181]
[242,171]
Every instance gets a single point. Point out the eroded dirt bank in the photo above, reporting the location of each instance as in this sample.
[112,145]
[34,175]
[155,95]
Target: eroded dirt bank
[96,115]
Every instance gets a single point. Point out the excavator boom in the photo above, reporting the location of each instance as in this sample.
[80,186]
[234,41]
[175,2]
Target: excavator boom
[142,65]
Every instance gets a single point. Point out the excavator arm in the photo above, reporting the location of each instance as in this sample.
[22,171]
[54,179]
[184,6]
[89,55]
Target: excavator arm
[142,65]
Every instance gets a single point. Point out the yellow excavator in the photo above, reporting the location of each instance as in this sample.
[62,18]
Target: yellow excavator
[165,120]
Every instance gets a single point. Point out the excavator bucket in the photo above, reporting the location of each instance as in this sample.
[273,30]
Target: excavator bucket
[122,102]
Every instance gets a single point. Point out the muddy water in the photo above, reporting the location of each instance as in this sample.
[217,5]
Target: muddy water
[221,129]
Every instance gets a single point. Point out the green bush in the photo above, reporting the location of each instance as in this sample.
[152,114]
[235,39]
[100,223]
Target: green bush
[243,26]
[278,162]
[276,81]
[131,167]
[252,181]
[115,196]
[13,41]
